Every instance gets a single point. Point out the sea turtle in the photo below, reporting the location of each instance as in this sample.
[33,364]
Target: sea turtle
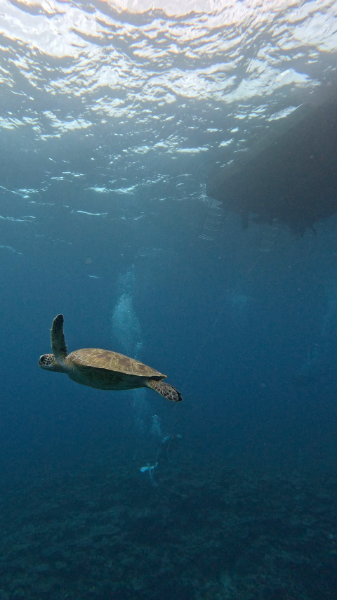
[102,369]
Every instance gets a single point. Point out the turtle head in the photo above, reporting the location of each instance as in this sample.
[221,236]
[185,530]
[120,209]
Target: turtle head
[49,363]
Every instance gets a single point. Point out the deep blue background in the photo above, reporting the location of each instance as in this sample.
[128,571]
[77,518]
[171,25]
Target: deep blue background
[231,322]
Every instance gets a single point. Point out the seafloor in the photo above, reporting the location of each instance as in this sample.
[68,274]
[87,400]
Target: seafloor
[206,531]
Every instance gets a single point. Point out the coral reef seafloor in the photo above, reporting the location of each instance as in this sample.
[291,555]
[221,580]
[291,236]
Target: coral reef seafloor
[213,532]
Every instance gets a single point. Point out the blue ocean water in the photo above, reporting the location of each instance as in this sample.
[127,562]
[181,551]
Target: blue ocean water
[113,115]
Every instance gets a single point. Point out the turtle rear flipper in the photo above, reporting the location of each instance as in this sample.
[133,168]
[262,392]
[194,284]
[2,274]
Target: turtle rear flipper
[165,389]
[58,342]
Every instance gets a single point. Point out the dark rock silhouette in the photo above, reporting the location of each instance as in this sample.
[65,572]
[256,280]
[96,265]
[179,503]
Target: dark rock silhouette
[292,179]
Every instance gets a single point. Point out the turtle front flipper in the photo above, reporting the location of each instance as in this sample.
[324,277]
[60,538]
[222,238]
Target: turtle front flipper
[58,342]
[165,389]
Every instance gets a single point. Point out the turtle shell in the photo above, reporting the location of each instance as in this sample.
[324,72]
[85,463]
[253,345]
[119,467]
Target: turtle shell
[111,361]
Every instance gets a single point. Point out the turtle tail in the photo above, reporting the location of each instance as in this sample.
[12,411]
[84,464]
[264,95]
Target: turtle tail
[165,389]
